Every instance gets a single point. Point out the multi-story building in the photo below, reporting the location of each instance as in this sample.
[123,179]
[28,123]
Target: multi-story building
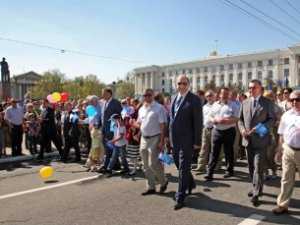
[280,67]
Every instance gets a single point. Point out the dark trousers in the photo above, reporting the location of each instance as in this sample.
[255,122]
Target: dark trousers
[256,163]
[32,144]
[46,139]
[183,159]
[71,142]
[16,140]
[221,138]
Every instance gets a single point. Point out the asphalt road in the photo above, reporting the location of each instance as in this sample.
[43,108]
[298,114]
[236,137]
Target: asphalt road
[69,200]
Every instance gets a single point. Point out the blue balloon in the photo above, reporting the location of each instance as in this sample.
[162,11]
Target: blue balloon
[90,111]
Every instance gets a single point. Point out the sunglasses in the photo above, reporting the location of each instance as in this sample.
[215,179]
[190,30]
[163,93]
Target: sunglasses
[182,83]
[286,93]
[147,95]
[295,99]
[251,88]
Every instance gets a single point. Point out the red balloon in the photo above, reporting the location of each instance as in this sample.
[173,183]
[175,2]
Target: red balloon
[64,96]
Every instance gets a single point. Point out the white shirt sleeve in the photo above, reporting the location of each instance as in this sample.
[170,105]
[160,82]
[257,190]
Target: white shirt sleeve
[139,119]
[282,125]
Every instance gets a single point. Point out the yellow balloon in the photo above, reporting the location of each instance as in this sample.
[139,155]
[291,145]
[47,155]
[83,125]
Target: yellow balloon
[46,172]
[56,97]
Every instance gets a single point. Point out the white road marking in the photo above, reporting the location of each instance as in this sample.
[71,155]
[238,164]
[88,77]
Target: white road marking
[254,219]
[47,187]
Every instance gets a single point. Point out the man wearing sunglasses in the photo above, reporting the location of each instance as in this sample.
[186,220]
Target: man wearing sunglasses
[256,110]
[289,151]
[285,105]
[151,120]
[185,135]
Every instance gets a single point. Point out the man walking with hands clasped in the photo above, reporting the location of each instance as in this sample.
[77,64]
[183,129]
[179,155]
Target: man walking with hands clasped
[185,135]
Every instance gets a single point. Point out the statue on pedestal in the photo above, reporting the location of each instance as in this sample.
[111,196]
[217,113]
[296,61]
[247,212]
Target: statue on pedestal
[5,79]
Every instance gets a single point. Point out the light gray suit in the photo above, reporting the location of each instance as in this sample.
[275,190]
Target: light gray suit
[256,146]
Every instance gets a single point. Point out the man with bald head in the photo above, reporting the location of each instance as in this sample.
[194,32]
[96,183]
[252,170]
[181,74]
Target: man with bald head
[185,135]
[289,150]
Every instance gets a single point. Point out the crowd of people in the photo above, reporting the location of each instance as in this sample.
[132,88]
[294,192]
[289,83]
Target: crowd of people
[197,129]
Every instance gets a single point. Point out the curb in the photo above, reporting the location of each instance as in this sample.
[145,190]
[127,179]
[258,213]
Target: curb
[26,158]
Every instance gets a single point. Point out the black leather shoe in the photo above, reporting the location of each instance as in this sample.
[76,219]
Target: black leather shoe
[163,188]
[255,201]
[250,194]
[102,170]
[178,205]
[208,177]
[149,192]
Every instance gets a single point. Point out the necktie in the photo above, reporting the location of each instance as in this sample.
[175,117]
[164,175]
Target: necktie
[178,101]
[254,103]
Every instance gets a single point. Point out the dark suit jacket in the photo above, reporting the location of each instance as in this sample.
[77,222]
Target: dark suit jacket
[114,107]
[186,125]
[264,113]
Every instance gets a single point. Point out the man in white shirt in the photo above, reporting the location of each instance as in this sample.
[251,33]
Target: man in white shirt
[151,120]
[14,116]
[289,150]
[224,116]
[206,132]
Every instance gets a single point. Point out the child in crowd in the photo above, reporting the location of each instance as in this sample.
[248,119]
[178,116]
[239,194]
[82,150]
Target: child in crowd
[119,145]
[97,150]
[33,129]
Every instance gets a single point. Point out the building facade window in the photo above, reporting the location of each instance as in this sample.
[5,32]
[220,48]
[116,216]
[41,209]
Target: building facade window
[270,74]
[190,71]
[286,61]
[286,72]
[259,75]
[240,66]
[221,67]
[162,82]
[183,71]
[270,62]
[197,70]
[205,69]
[230,66]
[240,76]
[259,63]
[249,64]
[163,74]
[231,77]
[249,76]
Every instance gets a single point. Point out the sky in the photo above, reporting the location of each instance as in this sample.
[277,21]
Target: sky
[142,31]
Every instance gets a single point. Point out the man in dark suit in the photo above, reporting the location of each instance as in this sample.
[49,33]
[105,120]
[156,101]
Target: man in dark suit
[111,106]
[48,130]
[185,135]
[255,110]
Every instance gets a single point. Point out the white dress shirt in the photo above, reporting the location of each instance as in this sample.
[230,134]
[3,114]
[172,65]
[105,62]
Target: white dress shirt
[207,110]
[222,110]
[289,127]
[151,117]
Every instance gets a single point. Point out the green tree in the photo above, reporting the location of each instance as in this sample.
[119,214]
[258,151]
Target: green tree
[124,89]
[51,81]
